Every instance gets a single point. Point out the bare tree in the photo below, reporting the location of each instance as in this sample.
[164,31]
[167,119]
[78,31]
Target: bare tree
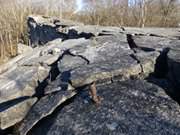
[167,7]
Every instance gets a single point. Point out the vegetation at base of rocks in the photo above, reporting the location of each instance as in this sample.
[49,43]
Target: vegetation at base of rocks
[12,27]
[140,13]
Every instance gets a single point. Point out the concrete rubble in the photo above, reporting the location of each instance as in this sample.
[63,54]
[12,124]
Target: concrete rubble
[46,86]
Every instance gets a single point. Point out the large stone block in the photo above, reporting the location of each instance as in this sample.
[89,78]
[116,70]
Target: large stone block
[129,107]
[21,81]
[12,113]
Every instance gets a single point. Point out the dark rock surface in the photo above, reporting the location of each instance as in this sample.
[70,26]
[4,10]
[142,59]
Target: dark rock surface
[41,33]
[157,43]
[14,112]
[43,108]
[130,107]
[85,64]
[44,29]
[73,57]
[173,62]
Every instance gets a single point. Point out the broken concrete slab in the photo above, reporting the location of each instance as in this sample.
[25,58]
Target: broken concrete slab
[15,113]
[129,107]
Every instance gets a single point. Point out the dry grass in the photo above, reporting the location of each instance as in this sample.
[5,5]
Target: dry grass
[13,25]
[13,28]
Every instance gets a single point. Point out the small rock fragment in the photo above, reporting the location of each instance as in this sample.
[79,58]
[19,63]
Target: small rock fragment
[112,126]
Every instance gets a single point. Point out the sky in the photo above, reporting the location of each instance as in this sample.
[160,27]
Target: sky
[79,4]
